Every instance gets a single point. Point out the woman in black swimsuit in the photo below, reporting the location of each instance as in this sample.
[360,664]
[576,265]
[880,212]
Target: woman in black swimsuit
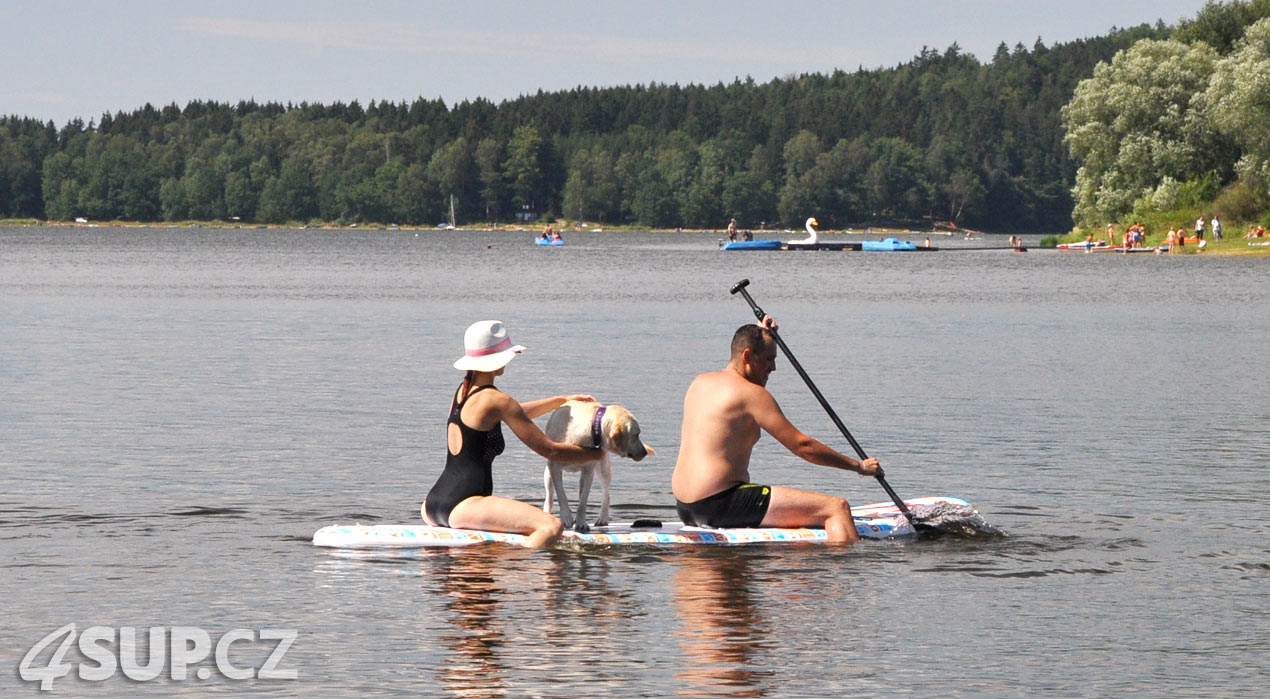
[463,496]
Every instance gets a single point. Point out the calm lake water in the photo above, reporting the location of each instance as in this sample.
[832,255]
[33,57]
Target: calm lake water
[181,409]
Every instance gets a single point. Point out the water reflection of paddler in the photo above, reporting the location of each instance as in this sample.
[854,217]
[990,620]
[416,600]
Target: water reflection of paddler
[570,583]
[471,581]
[721,629]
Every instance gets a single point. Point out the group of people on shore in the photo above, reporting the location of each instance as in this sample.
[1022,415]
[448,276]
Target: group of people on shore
[1134,236]
[1175,240]
[1215,225]
[1255,231]
[724,414]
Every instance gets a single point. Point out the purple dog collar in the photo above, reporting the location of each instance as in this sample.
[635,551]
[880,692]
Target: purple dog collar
[596,435]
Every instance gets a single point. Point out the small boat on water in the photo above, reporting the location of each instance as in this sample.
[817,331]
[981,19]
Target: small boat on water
[548,241]
[751,245]
[887,245]
[1120,249]
[1102,246]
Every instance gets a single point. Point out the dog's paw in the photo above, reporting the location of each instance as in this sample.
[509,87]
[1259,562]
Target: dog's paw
[601,523]
[581,527]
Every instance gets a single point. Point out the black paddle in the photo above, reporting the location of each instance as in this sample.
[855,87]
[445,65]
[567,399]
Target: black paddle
[758,313]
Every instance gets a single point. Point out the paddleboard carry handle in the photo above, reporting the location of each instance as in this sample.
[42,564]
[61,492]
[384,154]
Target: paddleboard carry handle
[739,287]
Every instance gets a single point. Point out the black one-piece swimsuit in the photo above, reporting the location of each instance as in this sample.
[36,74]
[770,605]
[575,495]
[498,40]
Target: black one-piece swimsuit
[468,472]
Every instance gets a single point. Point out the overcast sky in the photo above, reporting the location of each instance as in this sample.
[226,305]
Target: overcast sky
[65,59]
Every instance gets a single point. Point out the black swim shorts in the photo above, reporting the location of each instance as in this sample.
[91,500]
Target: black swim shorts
[742,505]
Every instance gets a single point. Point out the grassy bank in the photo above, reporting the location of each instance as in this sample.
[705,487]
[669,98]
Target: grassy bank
[1233,243]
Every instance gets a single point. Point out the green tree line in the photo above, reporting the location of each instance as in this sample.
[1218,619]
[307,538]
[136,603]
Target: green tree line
[944,137]
[1171,127]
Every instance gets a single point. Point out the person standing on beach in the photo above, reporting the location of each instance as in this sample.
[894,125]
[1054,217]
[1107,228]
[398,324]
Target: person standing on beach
[1216,228]
[1199,228]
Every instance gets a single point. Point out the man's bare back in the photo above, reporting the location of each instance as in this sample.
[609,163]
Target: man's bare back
[719,433]
[724,414]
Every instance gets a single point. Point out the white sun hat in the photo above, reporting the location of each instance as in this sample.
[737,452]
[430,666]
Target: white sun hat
[486,347]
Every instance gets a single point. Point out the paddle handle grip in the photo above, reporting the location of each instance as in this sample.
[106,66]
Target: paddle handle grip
[739,287]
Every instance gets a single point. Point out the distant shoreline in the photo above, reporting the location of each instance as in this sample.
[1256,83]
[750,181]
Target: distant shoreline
[1230,247]
[518,228]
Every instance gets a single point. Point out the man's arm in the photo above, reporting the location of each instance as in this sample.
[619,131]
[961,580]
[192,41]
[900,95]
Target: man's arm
[770,418]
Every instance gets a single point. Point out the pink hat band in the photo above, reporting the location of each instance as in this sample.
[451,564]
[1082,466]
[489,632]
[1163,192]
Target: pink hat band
[507,342]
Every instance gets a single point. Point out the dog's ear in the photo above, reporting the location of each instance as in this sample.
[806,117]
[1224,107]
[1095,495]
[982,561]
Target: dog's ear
[619,432]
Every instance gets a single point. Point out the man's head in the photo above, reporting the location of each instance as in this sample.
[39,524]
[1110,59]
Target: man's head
[753,353]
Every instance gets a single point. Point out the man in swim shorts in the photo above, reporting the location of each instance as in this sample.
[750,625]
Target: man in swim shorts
[725,412]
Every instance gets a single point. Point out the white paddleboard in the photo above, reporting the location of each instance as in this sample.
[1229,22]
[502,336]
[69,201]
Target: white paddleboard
[876,521]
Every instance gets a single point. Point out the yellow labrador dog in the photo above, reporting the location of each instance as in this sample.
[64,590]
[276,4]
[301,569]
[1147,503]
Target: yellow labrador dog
[614,430]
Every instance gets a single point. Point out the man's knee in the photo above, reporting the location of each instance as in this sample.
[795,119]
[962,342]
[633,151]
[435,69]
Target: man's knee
[554,527]
[838,522]
[836,510]
[838,507]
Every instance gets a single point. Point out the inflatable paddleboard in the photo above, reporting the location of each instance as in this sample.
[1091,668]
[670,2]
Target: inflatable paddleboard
[548,241]
[875,521]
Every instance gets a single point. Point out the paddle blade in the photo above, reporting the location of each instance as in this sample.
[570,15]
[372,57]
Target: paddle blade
[951,518]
